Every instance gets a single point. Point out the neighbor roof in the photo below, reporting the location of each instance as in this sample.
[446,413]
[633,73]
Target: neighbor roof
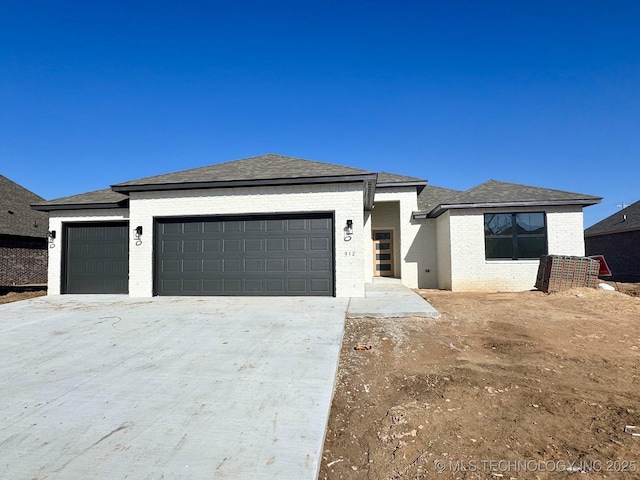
[494,193]
[267,169]
[16,217]
[625,220]
[105,198]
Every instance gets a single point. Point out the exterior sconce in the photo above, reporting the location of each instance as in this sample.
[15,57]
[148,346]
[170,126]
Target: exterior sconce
[137,235]
[51,236]
[348,231]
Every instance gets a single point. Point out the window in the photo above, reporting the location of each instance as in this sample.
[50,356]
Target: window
[515,236]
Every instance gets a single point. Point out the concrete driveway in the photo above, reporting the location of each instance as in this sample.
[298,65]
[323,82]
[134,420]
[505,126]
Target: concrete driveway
[166,388]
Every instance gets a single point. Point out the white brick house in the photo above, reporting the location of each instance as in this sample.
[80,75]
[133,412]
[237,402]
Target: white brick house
[274,225]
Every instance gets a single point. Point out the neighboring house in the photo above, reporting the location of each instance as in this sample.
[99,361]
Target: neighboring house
[618,238]
[274,225]
[23,237]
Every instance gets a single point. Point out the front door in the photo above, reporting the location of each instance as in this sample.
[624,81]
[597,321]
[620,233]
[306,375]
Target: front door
[383,253]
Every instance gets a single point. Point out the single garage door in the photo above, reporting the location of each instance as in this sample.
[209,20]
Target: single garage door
[96,258]
[258,255]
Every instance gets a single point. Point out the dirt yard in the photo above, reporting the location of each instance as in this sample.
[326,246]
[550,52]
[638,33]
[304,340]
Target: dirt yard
[16,296]
[503,386]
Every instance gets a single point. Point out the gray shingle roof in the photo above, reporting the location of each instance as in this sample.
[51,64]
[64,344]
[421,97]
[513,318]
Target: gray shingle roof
[432,196]
[16,217]
[494,193]
[623,221]
[268,167]
[105,198]
[386,177]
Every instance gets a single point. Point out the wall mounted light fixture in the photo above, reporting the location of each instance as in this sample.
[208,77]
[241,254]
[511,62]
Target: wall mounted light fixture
[138,234]
[51,235]
[349,229]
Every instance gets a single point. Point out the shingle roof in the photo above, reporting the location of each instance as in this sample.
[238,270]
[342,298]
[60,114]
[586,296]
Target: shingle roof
[386,177]
[625,220]
[494,193]
[105,198]
[16,217]
[268,167]
[432,196]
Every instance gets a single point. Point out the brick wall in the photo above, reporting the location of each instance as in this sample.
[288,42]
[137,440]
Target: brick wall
[23,261]
[345,200]
[471,271]
[621,252]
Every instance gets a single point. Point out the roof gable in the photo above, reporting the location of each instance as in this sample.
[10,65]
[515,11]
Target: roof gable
[264,169]
[16,216]
[625,220]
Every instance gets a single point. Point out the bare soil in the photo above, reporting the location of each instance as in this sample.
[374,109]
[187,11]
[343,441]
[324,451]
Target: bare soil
[17,296]
[504,385]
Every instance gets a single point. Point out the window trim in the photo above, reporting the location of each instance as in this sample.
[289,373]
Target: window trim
[514,237]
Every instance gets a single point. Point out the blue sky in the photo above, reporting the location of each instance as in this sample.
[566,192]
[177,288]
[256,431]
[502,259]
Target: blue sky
[545,93]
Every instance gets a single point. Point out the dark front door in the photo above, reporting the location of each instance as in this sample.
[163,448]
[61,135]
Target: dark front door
[257,255]
[95,258]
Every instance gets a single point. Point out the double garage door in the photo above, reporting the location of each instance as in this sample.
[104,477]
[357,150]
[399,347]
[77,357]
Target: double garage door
[258,255]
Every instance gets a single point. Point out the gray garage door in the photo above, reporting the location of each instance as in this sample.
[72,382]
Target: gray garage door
[96,258]
[275,255]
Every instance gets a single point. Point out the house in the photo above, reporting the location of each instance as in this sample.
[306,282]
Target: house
[275,225]
[23,237]
[617,237]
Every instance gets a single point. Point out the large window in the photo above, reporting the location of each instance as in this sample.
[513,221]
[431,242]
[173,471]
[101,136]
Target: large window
[515,236]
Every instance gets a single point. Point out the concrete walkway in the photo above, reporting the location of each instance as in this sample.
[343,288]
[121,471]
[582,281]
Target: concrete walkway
[110,387]
[388,298]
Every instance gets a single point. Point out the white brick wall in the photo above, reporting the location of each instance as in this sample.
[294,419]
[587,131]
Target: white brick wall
[443,237]
[343,199]
[424,252]
[471,271]
[56,220]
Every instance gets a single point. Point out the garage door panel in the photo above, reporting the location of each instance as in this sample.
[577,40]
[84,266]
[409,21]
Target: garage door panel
[319,285]
[191,246]
[318,243]
[232,245]
[247,256]
[209,245]
[320,265]
[274,265]
[170,265]
[275,286]
[296,244]
[211,266]
[275,244]
[297,265]
[253,265]
[253,245]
